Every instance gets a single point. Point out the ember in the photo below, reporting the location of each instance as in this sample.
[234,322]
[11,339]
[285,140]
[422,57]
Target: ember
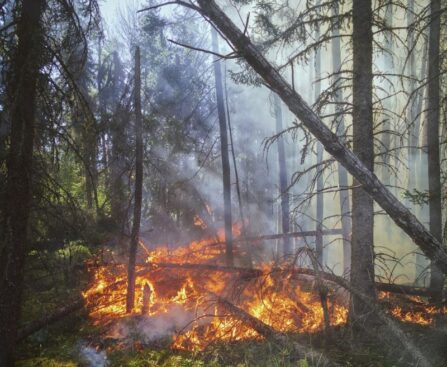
[420,312]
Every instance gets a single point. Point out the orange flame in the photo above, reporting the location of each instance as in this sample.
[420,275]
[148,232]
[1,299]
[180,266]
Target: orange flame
[276,300]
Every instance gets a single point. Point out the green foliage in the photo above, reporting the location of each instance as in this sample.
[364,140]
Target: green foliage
[45,362]
[416,197]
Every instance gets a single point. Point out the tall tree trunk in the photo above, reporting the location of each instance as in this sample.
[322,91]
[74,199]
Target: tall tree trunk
[320,203]
[416,153]
[138,195]
[434,170]
[388,102]
[412,120]
[226,174]
[285,209]
[342,173]
[400,214]
[362,256]
[22,90]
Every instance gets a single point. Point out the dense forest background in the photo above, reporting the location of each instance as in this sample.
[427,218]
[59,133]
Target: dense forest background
[195,153]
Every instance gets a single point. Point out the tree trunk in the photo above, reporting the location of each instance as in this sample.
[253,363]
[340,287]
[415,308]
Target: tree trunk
[388,102]
[285,211]
[431,247]
[130,299]
[22,89]
[320,184]
[224,153]
[434,170]
[413,130]
[362,256]
[343,182]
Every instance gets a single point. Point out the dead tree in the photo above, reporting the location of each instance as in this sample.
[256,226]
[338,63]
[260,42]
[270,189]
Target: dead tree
[226,174]
[285,209]
[242,45]
[22,91]
[138,195]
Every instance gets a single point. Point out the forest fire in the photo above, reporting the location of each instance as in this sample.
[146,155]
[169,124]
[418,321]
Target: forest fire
[193,282]
[415,310]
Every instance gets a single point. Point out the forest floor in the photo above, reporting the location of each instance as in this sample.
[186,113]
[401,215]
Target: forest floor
[74,341]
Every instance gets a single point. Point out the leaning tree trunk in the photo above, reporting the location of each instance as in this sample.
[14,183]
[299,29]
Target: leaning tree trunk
[343,183]
[22,89]
[224,152]
[434,169]
[431,247]
[285,210]
[130,299]
[362,256]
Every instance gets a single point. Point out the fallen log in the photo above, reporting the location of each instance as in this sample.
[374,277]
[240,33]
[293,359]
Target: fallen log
[405,290]
[326,232]
[268,332]
[245,49]
[388,322]
[58,315]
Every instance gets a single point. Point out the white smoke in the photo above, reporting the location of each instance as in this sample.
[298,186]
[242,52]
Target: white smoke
[93,358]
[152,328]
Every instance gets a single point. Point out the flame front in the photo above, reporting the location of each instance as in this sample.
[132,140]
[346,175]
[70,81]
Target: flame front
[273,297]
[188,277]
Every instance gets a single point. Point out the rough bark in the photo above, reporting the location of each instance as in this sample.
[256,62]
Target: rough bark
[343,182]
[226,174]
[434,169]
[138,195]
[22,90]
[393,207]
[362,245]
[285,215]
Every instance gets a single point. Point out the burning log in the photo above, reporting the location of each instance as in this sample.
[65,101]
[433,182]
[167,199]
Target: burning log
[146,299]
[268,332]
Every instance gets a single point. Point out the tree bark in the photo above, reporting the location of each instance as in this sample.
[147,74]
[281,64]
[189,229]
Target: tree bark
[396,210]
[226,174]
[362,242]
[285,208]
[345,207]
[130,299]
[22,90]
[434,169]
